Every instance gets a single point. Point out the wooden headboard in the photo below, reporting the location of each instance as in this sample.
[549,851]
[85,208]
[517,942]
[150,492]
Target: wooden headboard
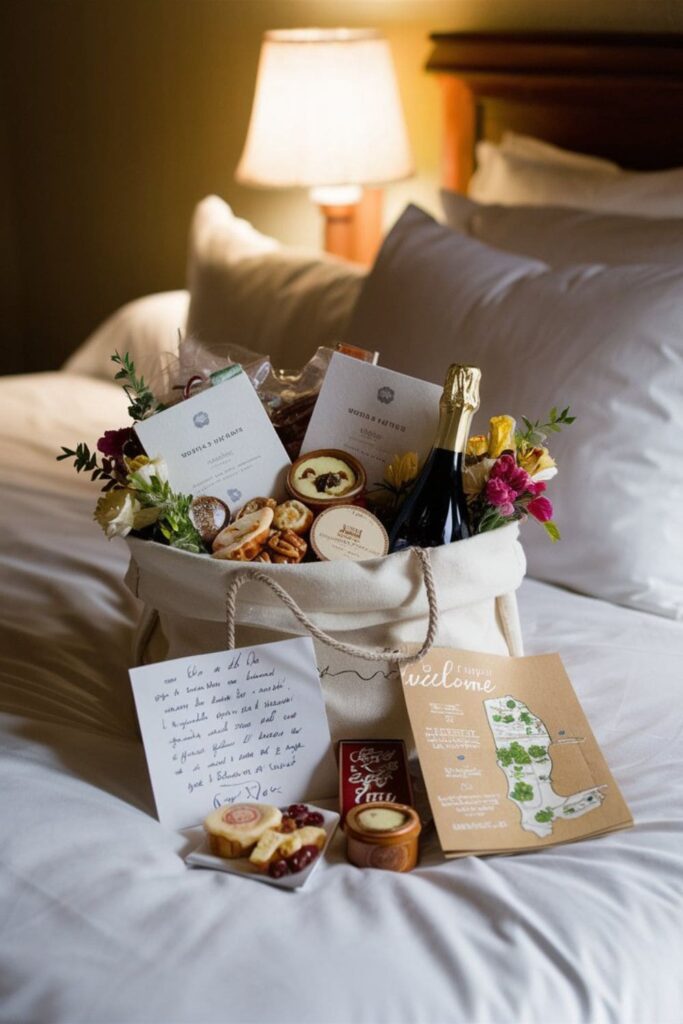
[617,96]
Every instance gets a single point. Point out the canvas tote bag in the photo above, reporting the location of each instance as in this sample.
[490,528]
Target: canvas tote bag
[359,614]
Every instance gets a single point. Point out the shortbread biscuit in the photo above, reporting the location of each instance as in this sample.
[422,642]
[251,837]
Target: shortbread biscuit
[266,850]
[245,538]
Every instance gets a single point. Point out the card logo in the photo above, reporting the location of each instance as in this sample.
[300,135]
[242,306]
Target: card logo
[200,419]
[234,494]
[386,395]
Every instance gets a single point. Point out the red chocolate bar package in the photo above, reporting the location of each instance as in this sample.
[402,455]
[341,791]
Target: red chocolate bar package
[371,770]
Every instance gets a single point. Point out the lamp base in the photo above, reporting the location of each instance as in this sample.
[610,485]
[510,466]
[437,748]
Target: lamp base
[353,230]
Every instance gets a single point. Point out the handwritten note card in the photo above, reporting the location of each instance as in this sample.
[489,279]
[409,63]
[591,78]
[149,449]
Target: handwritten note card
[242,725]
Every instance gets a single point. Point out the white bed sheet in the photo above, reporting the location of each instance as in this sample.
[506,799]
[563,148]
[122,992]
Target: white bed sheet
[100,921]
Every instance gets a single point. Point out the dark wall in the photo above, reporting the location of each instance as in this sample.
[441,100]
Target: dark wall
[117,116]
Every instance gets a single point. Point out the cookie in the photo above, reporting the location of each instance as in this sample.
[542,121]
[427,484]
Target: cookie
[244,539]
[255,505]
[293,515]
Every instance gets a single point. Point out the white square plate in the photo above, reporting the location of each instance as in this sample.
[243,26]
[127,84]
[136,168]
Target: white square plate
[201,857]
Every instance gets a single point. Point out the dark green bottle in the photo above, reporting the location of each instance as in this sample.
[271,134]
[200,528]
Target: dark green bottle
[435,512]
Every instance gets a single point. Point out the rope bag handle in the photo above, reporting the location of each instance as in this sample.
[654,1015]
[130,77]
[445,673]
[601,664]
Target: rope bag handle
[357,652]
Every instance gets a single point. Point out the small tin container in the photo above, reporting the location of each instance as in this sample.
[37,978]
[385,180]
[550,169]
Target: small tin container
[383,835]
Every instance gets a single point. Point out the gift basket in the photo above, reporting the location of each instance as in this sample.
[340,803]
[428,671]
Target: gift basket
[376,571]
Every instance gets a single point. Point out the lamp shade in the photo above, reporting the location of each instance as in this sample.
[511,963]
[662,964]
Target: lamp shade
[326,111]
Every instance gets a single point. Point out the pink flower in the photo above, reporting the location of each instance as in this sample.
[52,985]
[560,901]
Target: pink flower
[500,496]
[536,487]
[507,470]
[541,509]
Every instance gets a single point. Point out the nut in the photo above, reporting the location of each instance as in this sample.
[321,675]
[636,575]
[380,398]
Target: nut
[286,546]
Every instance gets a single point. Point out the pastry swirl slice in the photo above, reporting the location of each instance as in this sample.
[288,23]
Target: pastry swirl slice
[233,830]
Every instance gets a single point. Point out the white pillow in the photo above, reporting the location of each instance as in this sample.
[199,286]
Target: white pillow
[607,340]
[248,290]
[543,152]
[147,328]
[561,236]
[513,179]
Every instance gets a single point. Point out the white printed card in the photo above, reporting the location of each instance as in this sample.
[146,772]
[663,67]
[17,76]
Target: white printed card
[243,725]
[220,442]
[373,413]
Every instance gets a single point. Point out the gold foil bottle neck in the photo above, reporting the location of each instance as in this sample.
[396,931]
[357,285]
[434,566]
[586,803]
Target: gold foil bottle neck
[461,387]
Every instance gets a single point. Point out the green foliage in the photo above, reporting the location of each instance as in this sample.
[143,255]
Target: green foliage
[515,753]
[510,703]
[142,401]
[551,529]
[496,718]
[85,461]
[522,791]
[536,433]
[538,751]
[525,717]
[545,815]
[508,718]
[174,523]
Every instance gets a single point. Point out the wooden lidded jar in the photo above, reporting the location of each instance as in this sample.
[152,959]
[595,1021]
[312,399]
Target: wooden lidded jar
[383,835]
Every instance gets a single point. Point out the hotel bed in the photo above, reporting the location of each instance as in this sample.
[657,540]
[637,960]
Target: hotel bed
[102,921]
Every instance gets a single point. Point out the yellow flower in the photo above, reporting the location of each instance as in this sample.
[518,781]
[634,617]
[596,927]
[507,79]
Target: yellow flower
[538,463]
[133,465]
[501,435]
[401,470]
[474,478]
[477,445]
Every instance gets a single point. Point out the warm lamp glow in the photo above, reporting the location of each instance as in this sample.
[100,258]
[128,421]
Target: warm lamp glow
[326,112]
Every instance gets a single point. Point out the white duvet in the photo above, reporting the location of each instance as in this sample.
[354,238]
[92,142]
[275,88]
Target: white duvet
[100,920]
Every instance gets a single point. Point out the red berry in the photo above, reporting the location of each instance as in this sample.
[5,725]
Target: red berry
[278,868]
[299,860]
[315,818]
[297,809]
[311,851]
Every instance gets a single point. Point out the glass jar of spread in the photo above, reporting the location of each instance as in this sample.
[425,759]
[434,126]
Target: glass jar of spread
[382,835]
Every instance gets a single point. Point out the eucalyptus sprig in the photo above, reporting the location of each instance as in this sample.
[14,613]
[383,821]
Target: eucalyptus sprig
[536,433]
[142,401]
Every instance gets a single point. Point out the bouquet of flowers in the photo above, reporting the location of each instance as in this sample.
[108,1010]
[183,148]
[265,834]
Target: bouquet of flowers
[504,476]
[506,472]
[136,492]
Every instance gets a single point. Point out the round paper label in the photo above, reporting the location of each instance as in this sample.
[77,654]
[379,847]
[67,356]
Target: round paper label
[348,532]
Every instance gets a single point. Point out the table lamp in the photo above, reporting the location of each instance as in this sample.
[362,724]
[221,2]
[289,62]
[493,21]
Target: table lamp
[327,115]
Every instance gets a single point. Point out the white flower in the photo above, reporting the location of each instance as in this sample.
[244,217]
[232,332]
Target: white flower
[152,468]
[116,511]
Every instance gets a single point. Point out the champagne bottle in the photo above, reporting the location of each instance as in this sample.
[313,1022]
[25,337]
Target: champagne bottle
[435,511]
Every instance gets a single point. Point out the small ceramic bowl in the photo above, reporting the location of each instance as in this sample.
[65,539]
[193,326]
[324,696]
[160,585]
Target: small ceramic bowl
[326,477]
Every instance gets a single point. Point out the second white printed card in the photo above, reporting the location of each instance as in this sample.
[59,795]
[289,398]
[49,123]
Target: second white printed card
[373,413]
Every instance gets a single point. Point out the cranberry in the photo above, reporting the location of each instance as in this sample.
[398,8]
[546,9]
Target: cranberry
[297,809]
[301,820]
[302,858]
[315,818]
[278,868]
